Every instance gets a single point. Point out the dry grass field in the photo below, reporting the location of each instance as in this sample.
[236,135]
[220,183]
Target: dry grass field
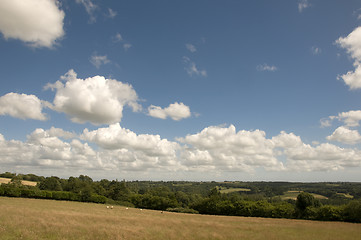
[49,219]
[293,195]
[24,182]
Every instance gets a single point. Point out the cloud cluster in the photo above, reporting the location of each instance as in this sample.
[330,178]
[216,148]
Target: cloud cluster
[352,44]
[45,150]
[96,99]
[225,149]
[345,135]
[176,111]
[22,106]
[216,149]
[38,23]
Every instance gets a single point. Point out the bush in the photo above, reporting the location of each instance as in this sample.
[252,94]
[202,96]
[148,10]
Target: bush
[352,212]
[98,198]
[329,213]
[11,191]
[182,210]
[1,190]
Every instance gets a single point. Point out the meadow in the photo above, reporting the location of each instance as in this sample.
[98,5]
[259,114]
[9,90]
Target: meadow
[48,219]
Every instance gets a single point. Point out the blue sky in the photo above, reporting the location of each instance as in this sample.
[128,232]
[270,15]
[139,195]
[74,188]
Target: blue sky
[181,90]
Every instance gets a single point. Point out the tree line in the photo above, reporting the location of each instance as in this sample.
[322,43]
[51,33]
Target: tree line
[260,200]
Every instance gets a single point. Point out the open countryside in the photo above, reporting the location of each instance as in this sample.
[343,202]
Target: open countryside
[46,219]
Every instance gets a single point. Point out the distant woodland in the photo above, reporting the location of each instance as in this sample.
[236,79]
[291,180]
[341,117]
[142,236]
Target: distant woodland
[326,201]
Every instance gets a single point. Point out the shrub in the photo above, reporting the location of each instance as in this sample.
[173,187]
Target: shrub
[352,212]
[329,213]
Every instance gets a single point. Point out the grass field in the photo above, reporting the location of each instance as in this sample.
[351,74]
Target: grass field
[49,219]
[293,195]
[230,190]
[28,183]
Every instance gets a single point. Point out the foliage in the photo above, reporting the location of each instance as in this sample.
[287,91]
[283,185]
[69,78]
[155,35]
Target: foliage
[264,199]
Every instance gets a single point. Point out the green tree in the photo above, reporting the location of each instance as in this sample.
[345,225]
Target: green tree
[51,184]
[306,204]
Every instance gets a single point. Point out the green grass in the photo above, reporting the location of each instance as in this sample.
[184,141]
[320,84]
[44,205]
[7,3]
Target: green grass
[49,219]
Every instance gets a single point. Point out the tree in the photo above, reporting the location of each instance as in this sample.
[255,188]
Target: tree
[51,184]
[305,205]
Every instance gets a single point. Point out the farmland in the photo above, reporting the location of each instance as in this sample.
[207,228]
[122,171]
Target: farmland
[46,219]
[24,182]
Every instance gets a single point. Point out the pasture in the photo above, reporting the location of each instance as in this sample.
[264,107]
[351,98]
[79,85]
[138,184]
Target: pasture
[293,195]
[24,182]
[49,219]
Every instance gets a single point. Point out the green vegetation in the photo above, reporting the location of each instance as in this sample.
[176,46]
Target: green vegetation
[313,201]
[35,219]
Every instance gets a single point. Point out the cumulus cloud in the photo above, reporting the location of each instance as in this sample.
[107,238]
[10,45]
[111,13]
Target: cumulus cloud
[350,119]
[192,69]
[216,149]
[44,150]
[191,48]
[303,4]
[38,23]
[266,67]
[176,111]
[225,149]
[22,106]
[95,99]
[135,151]
[352,44]
[97,61]
[344,135]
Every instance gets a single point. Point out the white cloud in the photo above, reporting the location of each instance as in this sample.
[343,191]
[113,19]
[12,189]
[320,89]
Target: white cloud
[316,50]
[95,99]
[266,67]
[191,47]
[22,106]
[90,7]
[126,46]
[352,44]
[112,13]
[42,150]
[130,151]
[303,4]
[97,61]
[225,149]
[344,135]
[350,119]
[215,149]
[326,122]
[192,69]
[176,111]
[118,38]
[38,23]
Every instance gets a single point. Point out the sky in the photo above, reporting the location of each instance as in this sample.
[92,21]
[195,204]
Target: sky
[204,90]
